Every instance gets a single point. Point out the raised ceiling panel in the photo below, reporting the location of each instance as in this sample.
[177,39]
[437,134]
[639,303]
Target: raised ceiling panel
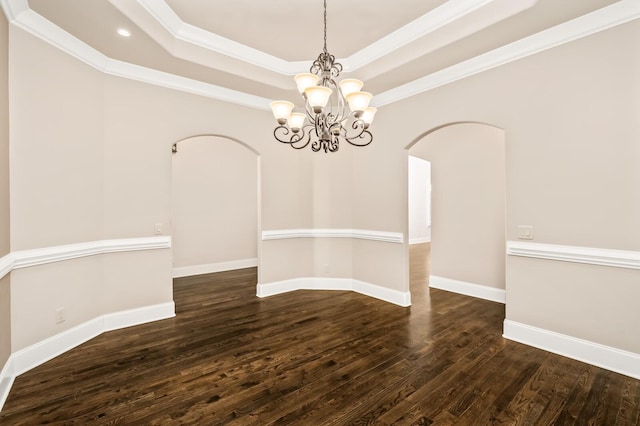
[293,29]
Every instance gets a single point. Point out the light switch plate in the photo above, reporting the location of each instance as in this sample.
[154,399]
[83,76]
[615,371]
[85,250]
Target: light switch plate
[525,232]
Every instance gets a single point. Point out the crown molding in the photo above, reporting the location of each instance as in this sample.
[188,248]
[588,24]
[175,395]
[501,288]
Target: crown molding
[19,14]
[428,32]
[36,25]
[591,23]
[178,30]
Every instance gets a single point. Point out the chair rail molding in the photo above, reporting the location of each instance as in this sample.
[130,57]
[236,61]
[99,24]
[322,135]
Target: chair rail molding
[589,255]
[41,256]
[361,234]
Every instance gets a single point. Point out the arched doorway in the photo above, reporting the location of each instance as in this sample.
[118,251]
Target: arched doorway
[215,205]
[467,253]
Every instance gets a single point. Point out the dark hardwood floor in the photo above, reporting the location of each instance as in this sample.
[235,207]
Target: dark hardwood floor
[318,358]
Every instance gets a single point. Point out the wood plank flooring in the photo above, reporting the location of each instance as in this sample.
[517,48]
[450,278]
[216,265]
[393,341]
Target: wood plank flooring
[318,358]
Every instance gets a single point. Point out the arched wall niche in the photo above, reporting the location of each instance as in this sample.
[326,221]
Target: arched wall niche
[468,206]
[215,204]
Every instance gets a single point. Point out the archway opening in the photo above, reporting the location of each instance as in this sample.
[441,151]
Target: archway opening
[467,249]
[215,205]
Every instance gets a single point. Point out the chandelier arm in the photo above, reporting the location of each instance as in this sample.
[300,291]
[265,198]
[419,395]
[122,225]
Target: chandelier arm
[361,136]
[365,136]
[284,135]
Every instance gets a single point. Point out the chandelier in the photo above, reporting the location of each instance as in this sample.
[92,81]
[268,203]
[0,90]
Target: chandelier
[326,120]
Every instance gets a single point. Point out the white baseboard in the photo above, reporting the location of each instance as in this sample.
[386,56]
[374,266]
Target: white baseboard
[419,240]
[30,357]
[209,268]
[468,289]
[317,283]
[6,381]
[619,361]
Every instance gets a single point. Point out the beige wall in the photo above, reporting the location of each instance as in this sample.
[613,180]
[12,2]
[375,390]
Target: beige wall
[5,295]
[572,167]
[5,319]
[4,138]
[56,146]
[468,194]
[215,202]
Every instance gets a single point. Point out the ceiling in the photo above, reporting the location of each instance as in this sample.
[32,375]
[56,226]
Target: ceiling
[255,47]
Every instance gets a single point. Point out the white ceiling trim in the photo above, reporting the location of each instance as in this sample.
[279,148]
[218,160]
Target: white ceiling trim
[444,15]
[421,27]
[35,24]
[591,23]
[180,30]
[19,14]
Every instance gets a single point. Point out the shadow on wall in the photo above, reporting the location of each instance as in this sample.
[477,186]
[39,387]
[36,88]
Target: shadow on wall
[214,205]
[468,204]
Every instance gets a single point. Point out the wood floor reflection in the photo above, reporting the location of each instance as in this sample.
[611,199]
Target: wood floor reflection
[318,358]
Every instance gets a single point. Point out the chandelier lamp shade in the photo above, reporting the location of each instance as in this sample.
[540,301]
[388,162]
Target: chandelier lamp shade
[333,112]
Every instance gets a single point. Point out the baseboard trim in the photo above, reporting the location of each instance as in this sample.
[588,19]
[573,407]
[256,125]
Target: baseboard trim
[6,381]
[32,356]
[187,271]
[468,289]
[346,284]
[419,240]
[607,357]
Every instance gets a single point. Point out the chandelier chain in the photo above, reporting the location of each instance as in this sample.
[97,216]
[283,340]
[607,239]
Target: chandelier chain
[325,26]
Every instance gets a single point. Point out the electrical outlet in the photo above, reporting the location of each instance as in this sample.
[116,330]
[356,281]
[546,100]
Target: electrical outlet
[525,232]
[60,315]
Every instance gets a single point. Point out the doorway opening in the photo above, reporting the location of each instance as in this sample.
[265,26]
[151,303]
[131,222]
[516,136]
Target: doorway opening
[215,205]
[468,193]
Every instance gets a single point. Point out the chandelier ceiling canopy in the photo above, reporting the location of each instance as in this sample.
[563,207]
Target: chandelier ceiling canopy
[333,112]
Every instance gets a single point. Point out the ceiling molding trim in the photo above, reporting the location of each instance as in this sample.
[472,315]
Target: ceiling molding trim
[608,17]
[434,20]
[180,30]
[45,30]
[171,81]
[426,24]
[13,8]
[37,25]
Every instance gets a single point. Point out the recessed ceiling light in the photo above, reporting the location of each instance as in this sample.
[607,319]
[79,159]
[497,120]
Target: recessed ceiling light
[123,32]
